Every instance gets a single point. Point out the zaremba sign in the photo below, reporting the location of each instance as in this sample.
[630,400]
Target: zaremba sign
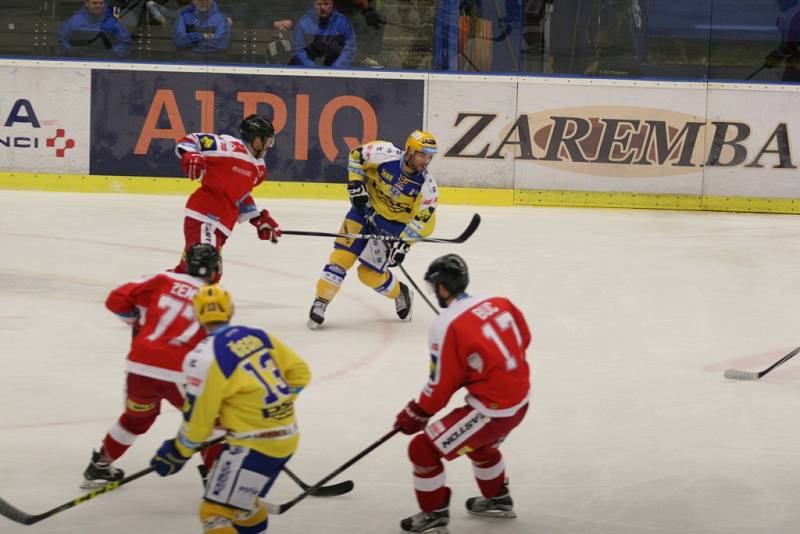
[603,140]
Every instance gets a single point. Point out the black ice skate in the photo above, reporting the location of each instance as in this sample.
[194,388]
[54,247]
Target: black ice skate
[500,506]
[429,523]
[403,303]
[100,473]
[316,316]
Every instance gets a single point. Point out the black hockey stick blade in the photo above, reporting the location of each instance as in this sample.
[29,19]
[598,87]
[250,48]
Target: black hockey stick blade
[277,509]
[334,490]
[736,374]
[466,234]
[468,231]
[15,514]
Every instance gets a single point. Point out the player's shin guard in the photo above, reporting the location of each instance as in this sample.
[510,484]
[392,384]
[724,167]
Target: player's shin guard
[334,273]
[489,470]
[429,476]
[139,416]
[384,283]
[254,522]
[217,519]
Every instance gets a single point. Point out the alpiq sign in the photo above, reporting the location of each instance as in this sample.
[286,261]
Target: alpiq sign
[602,139]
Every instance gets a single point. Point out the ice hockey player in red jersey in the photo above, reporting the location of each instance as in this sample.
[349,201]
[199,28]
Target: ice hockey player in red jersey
[479,344]
[228,169]
[159,309]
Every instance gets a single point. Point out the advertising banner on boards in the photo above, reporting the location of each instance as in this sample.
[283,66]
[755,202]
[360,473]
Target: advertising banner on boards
[138,115]
[612,136]
[38,132]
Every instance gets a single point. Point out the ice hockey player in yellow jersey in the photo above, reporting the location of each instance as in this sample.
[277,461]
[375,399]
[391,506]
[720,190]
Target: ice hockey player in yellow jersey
[391,192]
[246,381]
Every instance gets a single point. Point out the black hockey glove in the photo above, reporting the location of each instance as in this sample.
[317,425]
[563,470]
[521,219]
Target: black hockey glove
[397,252]
[359,197]
[372,17]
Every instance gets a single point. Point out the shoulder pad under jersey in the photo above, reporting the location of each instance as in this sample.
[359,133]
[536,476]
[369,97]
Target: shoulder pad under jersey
[378,152]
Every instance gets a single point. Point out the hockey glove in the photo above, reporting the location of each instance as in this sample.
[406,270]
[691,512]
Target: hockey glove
[359,197]
[266,226]
[168,460]
[397,252]
[372,17]
[194,165]
[411,419]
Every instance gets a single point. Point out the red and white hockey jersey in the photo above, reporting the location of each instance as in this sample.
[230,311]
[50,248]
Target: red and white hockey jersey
[224,194]
[161,306]
[479,344]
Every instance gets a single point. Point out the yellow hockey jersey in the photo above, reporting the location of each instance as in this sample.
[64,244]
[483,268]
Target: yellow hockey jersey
[394,196]
[246,381]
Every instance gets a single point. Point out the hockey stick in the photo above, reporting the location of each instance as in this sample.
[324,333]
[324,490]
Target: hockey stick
[411,280]
[736,374]
[468,231]
[15,514]
[753,74]
[277,509]
[334,490]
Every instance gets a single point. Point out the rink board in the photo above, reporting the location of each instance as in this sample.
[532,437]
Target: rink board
[504,140]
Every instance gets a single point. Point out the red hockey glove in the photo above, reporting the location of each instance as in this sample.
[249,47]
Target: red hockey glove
[194,165]
[411,419]
[266,226]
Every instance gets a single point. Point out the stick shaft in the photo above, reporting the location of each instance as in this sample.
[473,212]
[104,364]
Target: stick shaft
[279,509]
[15,514]
[468,231]
[419,291]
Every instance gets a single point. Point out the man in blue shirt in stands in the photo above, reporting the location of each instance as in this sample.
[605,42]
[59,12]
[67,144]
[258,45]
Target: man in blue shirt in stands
[94,32]
[202,30]
[323,33]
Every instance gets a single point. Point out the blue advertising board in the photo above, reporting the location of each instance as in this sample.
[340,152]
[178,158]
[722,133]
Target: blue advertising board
[136,117]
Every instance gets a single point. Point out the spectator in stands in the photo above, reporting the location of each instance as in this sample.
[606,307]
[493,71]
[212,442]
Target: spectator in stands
[323,34]
[202,31]
[94,32]
[368,24]
[788,53]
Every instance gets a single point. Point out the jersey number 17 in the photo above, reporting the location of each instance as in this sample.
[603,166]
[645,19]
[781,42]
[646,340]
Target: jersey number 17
[504,322]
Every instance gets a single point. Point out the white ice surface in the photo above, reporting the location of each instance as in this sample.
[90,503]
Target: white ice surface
[635,315]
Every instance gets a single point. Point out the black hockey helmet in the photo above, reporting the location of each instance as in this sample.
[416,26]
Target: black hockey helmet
[203,260]
[449,270]
[255,126]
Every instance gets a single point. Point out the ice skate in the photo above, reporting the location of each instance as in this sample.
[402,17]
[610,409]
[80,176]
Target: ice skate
[100,473]
[428,523]
[403,303]
[316,316]
[500,506]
